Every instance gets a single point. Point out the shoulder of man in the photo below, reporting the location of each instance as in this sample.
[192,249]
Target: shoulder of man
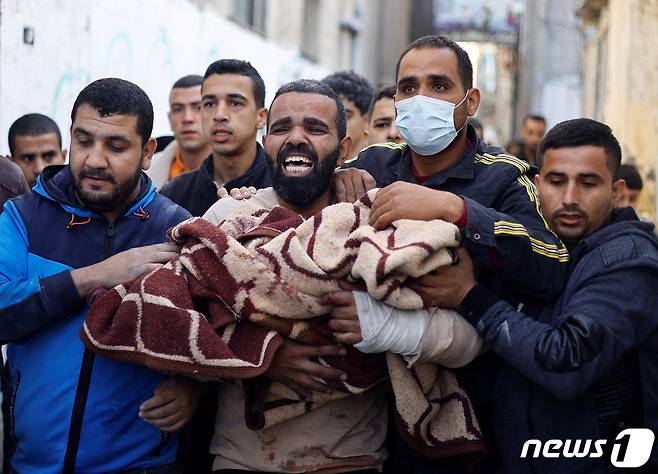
[257,176]
[501,167]
[11,177]
[626,242]
[171,213]
[161,164]
[180,185]
[28,207]
[264,198]
[378,159]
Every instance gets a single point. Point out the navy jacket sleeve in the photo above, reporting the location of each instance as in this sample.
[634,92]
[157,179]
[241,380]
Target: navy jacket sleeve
[515,240]
[598,323]
[29,302]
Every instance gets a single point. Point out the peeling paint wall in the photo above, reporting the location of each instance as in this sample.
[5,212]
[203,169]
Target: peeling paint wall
[149,42]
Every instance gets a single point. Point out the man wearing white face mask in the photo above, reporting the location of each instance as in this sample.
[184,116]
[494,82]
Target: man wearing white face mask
[445,171]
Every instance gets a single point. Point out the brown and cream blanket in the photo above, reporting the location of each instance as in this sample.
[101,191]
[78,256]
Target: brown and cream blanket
[222,308]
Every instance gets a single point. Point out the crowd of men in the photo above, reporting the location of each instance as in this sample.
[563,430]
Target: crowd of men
[555,334]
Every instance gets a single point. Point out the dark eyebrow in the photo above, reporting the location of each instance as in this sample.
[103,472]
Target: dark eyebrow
[556,174]
[405,79]
[81,131]
[185,103]
[432,77]
[440,77]
[315,122]
[119,138]
[281,121]
[235,95]
[208,96]
[589,175]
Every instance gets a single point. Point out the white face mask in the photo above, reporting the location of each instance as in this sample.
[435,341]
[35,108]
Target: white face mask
[427,124]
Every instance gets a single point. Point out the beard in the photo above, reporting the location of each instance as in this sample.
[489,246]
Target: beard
[106,201]
[302,190]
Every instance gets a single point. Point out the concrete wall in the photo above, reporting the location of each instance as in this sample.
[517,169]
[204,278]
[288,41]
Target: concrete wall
[149,42]
[621,78]
[494,76]
[387,25]
[551,59]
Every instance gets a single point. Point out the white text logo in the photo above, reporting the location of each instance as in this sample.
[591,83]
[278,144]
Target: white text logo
[632,448]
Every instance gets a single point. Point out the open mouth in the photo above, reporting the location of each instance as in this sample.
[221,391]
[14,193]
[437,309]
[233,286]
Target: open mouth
[221,136]
[297,165]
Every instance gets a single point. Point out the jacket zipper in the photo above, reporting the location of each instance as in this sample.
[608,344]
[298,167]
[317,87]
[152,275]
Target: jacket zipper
[84,379]
[12,408]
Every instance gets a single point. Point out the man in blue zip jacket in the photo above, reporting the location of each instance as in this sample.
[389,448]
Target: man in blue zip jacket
[581,371]
[95,223]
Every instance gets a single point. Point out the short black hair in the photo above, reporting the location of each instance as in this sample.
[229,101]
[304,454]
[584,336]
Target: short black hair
[535,117]
[112,96]
[464,65]
[32,125]
[241,68]
[384,92]
[311,86]
[353,87]
[193,80]
[631,175]
[581,132]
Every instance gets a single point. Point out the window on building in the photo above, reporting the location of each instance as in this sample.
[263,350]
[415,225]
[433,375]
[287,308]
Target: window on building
[310,30]
[601,74]
[351,41]
[251,13]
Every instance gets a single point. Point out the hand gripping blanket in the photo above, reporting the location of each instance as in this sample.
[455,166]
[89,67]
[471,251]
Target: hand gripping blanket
[222,308]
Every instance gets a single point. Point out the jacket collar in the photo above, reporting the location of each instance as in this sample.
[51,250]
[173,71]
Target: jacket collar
[623,221]
[56,184]
[207,170]
[463,168]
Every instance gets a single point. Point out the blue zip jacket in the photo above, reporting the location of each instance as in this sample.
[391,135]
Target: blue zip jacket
[584,367]
[45,235]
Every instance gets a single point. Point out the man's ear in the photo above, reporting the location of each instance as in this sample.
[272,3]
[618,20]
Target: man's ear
[171,124]
[262,118]
[618,192]
[473,101]
[148,151]
[537,180]
[345,146]
[64,153]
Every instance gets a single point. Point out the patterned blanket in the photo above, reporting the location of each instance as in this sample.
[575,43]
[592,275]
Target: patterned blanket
[221,309]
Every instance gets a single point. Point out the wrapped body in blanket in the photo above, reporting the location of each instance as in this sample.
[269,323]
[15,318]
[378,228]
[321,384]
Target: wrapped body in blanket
[222,308]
